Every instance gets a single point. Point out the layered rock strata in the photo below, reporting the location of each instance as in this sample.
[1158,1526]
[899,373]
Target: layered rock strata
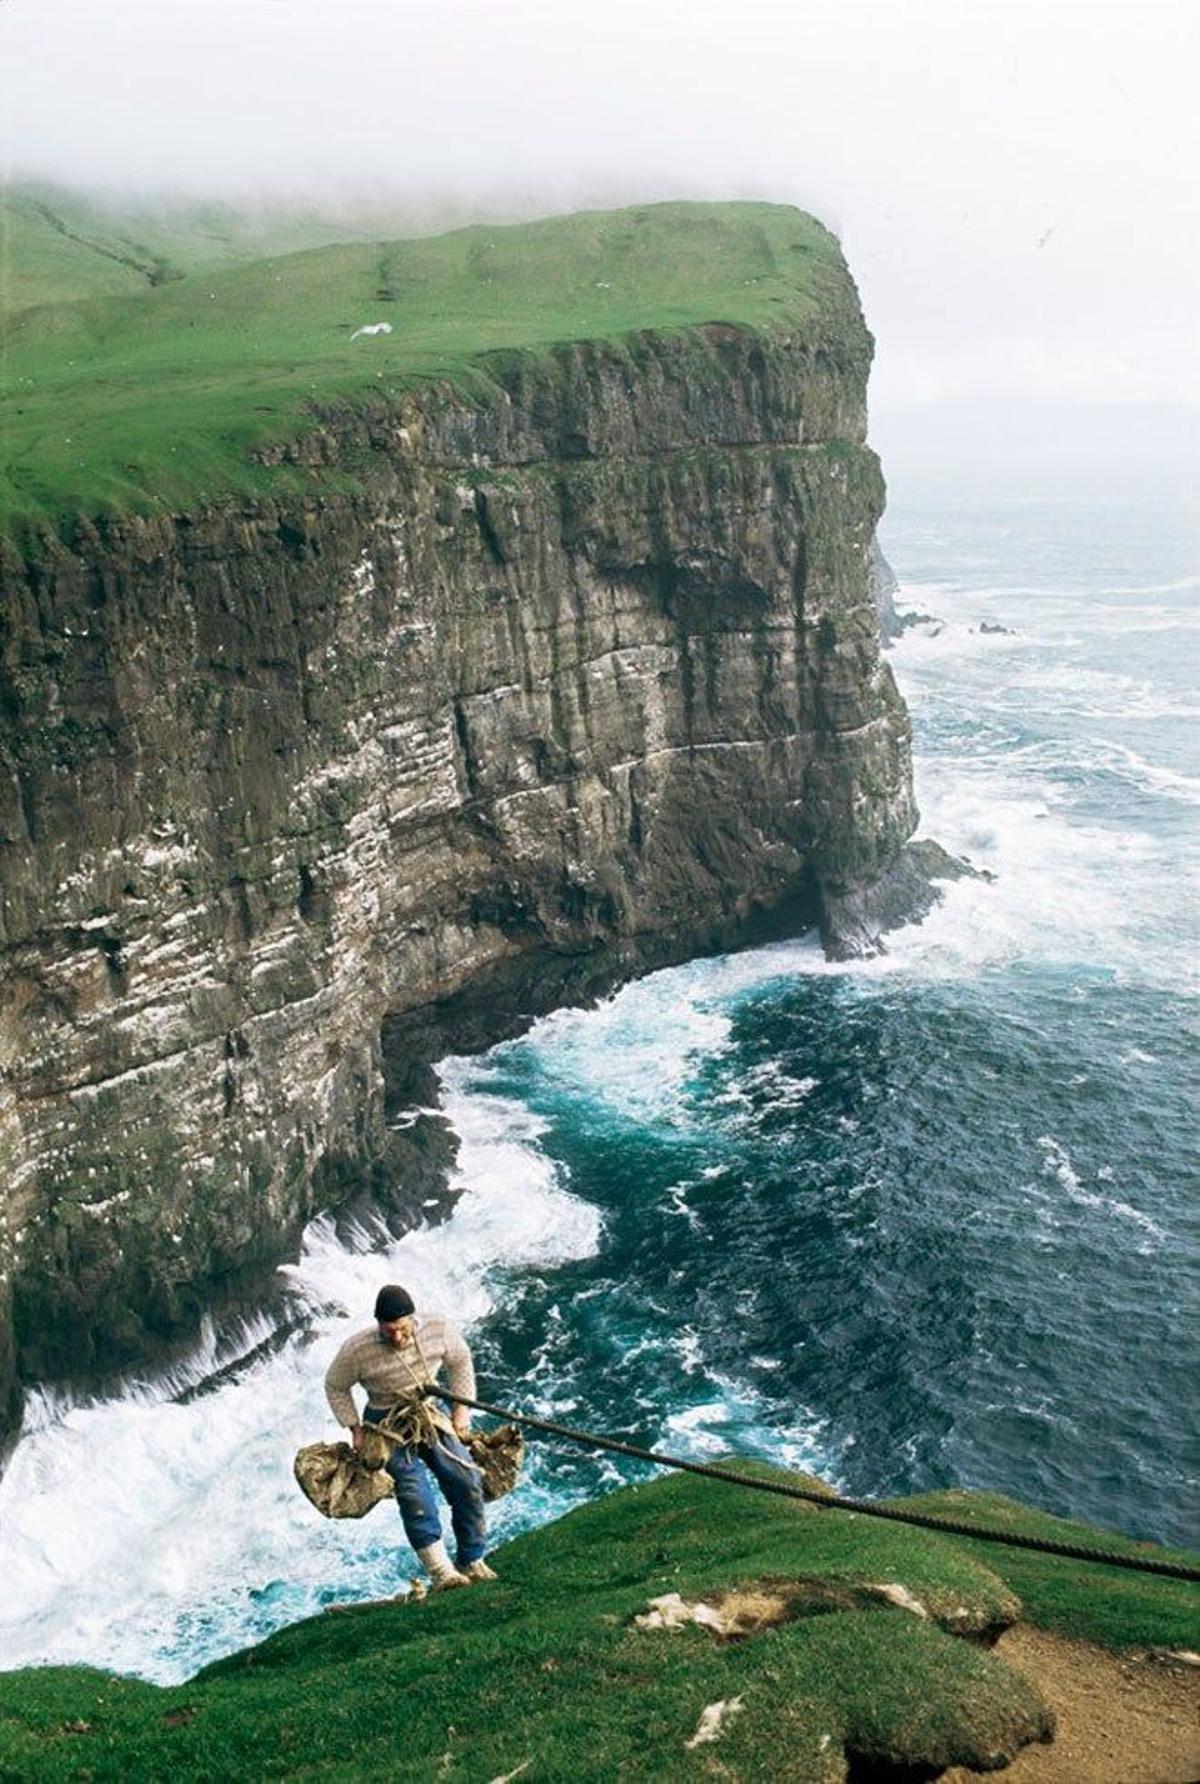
[584,670]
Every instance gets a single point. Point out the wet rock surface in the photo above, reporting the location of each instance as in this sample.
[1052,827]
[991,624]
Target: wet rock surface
[854,921]
[884,589]
[297,794]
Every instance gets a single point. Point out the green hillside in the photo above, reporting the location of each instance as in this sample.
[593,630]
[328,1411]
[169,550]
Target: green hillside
[149,391]
[546,1673]
[57,245]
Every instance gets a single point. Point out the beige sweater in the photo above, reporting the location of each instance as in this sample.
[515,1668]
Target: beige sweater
[389,1373]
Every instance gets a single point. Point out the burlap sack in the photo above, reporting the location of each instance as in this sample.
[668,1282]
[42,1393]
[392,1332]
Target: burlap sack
[344,1483]
[340,1483]
[498,1455]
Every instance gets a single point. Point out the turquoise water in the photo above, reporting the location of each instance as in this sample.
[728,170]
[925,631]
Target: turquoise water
[932,1223]
[914,1221]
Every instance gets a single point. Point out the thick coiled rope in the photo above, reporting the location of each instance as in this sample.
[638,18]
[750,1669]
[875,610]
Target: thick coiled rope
[829,1501]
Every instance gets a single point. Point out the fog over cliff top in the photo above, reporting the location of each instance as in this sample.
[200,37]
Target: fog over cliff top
[1010,177]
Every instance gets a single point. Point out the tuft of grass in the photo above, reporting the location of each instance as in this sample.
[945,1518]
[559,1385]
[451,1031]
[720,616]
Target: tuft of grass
[151,392]
[545,1670]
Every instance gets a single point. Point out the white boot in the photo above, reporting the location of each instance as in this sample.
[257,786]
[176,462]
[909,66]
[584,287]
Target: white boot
[438,1566]
[479,1570]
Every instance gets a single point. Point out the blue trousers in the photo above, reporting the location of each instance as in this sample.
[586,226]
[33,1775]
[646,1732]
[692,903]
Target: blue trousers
[448,1462]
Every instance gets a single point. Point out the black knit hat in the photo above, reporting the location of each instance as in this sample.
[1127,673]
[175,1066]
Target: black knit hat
[393,1302]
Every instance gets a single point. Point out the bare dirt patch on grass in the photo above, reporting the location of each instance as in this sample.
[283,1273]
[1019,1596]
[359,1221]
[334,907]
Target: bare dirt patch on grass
[1121,1720]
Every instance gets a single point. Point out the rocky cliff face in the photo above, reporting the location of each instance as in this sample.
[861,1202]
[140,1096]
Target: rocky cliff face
[885,588]
[586,670]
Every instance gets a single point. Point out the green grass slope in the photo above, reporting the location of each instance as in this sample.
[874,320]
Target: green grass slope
[57,245]
[546,1673]
[152,397]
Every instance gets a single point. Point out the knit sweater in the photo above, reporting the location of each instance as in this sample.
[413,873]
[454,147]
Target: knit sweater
[389,1372]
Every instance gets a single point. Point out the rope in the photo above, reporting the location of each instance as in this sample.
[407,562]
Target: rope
[410,1422]
[829,1501]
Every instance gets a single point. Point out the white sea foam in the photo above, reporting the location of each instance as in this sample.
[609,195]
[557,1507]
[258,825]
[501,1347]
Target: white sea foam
[1153,776]
[932,646]
[694,1427]
[638,1049]
[1057,1163]
[677,1203]
[1069,689]
[1070,886]
[687,1342]
[738,1422]
[924,593]
[202,1493]
[1179,586]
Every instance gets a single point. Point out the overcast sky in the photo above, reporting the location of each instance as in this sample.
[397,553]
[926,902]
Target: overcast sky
[1014,182]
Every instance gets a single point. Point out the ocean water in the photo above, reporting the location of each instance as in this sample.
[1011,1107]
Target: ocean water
[921,1220]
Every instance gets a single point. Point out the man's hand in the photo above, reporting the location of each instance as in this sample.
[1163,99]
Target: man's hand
[356,1436]
[460,1418]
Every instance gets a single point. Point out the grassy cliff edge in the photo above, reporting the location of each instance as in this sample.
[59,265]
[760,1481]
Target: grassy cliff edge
[875,1660]
[170,396]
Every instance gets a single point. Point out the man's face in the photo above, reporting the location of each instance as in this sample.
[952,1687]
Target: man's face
[397,1331]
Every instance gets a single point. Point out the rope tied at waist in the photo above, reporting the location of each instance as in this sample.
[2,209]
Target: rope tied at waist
[496,1456]
[409,1423]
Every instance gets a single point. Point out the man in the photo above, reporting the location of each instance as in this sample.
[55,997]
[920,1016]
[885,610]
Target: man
[393,1360]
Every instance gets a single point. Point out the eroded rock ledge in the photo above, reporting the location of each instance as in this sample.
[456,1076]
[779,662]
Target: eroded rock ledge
[579,677]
